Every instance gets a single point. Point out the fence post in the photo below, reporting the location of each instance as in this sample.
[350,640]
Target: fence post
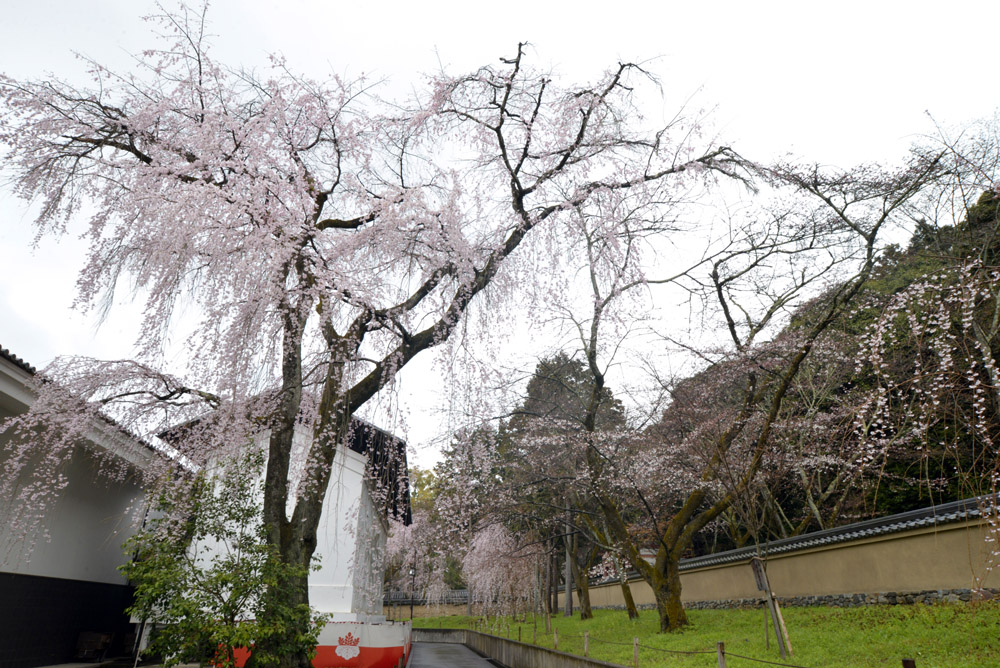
[720,650]
[534,636]
[555,638]
[909,663]
[586,644]
[635,652]
[519,633]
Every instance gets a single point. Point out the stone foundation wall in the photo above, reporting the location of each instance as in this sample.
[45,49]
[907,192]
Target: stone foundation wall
[926,597]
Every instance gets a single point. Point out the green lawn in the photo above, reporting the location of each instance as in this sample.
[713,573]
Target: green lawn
[936,636]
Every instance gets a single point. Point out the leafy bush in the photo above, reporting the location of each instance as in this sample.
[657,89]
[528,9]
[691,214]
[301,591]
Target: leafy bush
[202,567]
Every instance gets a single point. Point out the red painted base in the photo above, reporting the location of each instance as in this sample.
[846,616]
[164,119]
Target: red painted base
[369,657]
[327,657]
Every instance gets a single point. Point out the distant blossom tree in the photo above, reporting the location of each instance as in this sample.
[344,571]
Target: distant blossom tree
[322,239]
[416,559]
[934,354]
[501,570]
[934,350]
[722,427]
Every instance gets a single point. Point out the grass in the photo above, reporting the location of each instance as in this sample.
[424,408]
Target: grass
[956,635]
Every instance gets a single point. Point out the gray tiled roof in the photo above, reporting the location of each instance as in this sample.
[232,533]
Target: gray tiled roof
[21,364]
[16,361]
[944,513]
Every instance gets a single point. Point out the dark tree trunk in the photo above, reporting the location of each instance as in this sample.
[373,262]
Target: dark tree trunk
[633,612]
[582,579]
[287,605]
[553,580]
[583,592]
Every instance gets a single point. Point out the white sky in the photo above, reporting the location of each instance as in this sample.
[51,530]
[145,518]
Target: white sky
[837,83]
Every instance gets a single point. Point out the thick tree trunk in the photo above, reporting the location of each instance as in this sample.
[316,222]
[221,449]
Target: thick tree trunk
[287,604]
[583,593]
[582,584]
[667,591]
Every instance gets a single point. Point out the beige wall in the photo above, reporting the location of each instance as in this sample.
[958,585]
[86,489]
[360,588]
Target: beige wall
[952,556]
[402,612]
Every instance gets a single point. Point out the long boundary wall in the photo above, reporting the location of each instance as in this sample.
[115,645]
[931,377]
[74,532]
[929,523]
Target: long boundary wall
[939,561]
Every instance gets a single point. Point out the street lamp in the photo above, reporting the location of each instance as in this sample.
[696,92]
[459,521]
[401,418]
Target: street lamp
[413,579]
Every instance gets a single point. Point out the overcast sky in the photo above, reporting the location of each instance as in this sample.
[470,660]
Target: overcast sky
[837,83]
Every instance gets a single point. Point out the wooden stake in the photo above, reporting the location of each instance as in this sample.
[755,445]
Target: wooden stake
[767,634]
[909,663]
[635,652]
[555,638]
[784,631]
[534,635]
[720,651]
[772,607]
[586,643]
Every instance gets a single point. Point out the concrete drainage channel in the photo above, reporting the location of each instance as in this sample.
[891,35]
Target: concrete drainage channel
[506,653]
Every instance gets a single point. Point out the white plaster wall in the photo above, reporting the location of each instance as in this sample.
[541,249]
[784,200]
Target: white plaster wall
[350,538]
[369,557]
[92,516]
[331,589]
[86,525]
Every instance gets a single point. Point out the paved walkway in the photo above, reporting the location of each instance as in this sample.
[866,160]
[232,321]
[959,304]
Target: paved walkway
[445,655]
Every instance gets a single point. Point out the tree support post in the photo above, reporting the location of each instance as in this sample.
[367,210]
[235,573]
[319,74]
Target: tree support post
[568,602]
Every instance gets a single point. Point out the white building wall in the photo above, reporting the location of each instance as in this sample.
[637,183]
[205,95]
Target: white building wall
[87,526]
[350,538]
[89,521]
[62,578]
[369,558]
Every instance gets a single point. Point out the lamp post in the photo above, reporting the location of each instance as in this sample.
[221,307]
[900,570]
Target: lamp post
[413,578]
